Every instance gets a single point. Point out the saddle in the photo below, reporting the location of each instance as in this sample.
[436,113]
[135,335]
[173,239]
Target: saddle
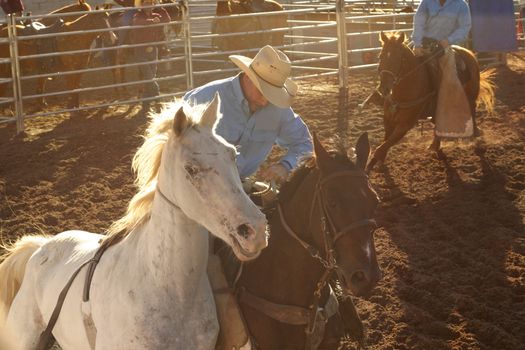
[432,45]
[44,45]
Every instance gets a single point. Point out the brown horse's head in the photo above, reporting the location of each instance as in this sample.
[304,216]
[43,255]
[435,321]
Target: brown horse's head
[347,202]
[392,60]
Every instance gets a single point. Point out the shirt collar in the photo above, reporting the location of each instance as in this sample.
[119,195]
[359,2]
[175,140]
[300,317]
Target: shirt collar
[237,90]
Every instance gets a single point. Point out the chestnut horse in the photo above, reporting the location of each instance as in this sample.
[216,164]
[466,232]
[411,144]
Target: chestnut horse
[247,24]
[30,47]
[322,228]
[409,95]
[70,62]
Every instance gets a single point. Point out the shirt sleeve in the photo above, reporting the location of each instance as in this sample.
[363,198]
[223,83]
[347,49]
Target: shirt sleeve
[463,26]
[295,137]
[420,19]
[200,95]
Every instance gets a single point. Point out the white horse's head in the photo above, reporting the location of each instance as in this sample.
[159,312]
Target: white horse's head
[198,173]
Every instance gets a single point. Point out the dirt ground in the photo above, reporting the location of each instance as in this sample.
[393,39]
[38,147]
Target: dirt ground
[451,242]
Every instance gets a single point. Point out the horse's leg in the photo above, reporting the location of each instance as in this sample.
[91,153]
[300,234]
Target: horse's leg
[332,334]
[389,126]
[118,72]
[40,90]
[435,146]
[25,320]
[73,82]
[380,153]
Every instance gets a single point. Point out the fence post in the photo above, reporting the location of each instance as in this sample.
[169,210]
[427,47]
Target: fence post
[342,120]
[342,47]
[15,73]
[187,44]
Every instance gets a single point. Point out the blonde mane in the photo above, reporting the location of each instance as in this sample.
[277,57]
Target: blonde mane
[146,164]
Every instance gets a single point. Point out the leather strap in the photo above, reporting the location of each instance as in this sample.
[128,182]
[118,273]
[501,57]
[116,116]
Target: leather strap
[288,314]
[46,337]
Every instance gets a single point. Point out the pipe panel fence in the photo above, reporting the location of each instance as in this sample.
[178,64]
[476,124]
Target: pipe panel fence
[320,38]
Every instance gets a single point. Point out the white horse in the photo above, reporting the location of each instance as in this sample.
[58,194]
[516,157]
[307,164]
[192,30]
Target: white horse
[150,289]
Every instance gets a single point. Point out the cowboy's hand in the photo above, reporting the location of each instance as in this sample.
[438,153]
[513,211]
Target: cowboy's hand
[418,51]
[444,43]
[276,172]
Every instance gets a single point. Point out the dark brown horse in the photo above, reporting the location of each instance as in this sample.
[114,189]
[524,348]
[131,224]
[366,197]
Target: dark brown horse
[31,47]
[406,84]
[322,228]
[239,25]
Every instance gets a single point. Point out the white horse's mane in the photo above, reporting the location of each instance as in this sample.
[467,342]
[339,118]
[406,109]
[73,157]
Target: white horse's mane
[146,164]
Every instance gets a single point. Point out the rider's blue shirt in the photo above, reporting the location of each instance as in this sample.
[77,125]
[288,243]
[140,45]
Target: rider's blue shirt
[451,21]
[254,134]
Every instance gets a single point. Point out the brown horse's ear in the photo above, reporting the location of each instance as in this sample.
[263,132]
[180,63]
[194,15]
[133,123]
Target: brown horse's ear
[383,38]
[401,38]
[97,7]
[180,122]
[362,150]
[321,155]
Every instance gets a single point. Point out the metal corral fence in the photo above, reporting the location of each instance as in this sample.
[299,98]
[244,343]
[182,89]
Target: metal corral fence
[311,35]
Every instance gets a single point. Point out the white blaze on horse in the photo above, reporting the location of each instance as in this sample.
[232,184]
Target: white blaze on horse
[150,289]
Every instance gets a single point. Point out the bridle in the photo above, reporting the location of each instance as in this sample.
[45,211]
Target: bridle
[397,77]
[330,233]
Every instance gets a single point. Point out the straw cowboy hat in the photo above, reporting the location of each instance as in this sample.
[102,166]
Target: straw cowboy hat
[270,70]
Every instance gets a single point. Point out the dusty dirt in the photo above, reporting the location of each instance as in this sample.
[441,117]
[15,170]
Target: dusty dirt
[452,236]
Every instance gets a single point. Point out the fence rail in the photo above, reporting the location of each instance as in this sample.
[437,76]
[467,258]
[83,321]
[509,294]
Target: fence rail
[321,39]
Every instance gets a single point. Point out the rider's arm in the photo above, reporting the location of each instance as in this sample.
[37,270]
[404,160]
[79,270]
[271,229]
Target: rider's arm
[420,19]
[294,136]
[464,23]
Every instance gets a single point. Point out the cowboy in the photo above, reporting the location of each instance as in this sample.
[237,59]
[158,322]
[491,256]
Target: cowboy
[447,21]
[148,53]
[126,19]
[439,24]
[255,105]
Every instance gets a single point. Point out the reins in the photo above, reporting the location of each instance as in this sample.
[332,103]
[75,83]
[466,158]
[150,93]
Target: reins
[394,106]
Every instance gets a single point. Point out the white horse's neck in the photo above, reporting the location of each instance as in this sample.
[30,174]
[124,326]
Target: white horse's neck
[173,248]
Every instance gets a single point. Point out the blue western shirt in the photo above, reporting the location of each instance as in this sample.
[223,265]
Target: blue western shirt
[450,21]
[254,134]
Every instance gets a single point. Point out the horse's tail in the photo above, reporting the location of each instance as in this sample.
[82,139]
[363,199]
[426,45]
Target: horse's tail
[486,89]
[13,267]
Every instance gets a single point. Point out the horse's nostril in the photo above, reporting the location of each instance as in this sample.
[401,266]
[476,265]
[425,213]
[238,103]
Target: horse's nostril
[244,231]
[358,278]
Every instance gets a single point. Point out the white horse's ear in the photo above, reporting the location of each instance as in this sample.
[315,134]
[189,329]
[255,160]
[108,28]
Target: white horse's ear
[212,110]
[180,122]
